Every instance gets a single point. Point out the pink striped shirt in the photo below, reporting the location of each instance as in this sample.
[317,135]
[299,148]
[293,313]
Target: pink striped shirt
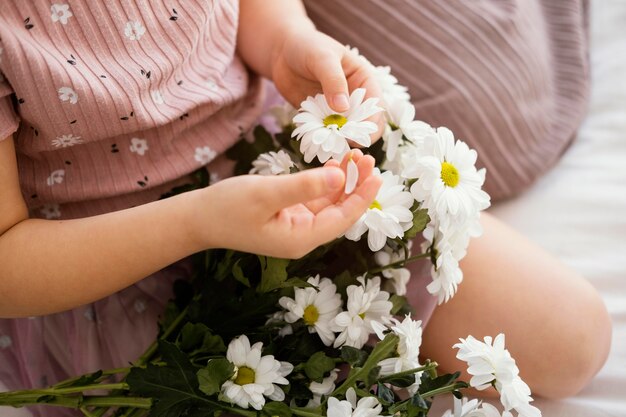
[114,102]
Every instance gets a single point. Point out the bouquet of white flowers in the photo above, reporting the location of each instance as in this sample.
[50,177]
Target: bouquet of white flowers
[260,336]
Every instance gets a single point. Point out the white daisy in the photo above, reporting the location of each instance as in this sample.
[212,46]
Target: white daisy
[272,163]
[134,30]
[400,123]
[317,307]
[397,278]
[157,97]
[139,146]
[389,216]
[50,211]
[324,388]
[325,133]
[410,333]
[5,341]
[204,155]
[448,183]
[391,89]
[352,175]
[56,177]
[473,409]
[255,376]
[490,363]
[283,115]
[366,304]
[366,407]
[68,94]
[65,141]
[60,13]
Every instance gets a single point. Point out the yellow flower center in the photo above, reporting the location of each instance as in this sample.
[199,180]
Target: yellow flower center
[311,314]
[449,174]
[245,376]
[376,205]
[393,126]
[335,119]
[362,315]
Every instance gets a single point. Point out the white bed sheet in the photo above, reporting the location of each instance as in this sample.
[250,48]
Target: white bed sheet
[578,210]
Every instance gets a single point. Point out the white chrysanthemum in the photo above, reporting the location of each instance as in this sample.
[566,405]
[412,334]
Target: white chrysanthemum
[279,318]
[283,115]
[397,278]
[366,304]
[400,116]
[389,216]
[255,376]
[391,89]
[68,94]
[319,389]
[490,363]
[448,183]
[325,133]
[317,307]
[409,332]
[366,407]
[473,409]
[272,163]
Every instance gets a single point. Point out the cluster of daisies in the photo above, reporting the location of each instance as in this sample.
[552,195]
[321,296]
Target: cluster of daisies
[425,169]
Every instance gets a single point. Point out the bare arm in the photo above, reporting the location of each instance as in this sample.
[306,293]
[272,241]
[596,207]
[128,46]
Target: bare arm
[48,266]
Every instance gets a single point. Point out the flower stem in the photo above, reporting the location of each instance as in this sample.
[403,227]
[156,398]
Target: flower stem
[413,371]
[399,264]
[443,390]
[303,413]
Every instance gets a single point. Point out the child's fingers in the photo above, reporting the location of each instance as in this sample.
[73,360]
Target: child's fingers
[336,219]
[326,67]
[287,190]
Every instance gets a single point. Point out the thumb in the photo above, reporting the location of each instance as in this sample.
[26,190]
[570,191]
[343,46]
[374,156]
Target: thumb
[304,186]
[330,74]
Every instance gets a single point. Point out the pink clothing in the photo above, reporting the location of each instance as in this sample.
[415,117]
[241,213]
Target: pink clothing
[163,79]
[111,105]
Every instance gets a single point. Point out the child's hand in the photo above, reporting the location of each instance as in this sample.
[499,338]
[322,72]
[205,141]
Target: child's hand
[284,216]
[308,59]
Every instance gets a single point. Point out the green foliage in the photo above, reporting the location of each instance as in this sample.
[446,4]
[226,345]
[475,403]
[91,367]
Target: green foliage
[216,372]
[244,152]
[355,357]
[87,379]
[420,221]
[318,366]
[277,408]
[273,273]
[196,337]
[174,387]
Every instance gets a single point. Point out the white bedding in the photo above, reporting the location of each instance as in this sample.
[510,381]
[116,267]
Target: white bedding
[578,210]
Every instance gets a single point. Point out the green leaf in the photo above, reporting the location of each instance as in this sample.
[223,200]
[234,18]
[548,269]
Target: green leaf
[401,381]
[399,303]
[214,375]
[295,282]
[239,275]
[173,387]
[273,273]
[385,394]
[277,408]
[429,384]
[198,337]
[372,376]
[417,405]
[318,365]
[355,357]
[420,221]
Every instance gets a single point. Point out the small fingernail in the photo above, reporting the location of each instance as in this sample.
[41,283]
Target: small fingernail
[334,178]
[340,102]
